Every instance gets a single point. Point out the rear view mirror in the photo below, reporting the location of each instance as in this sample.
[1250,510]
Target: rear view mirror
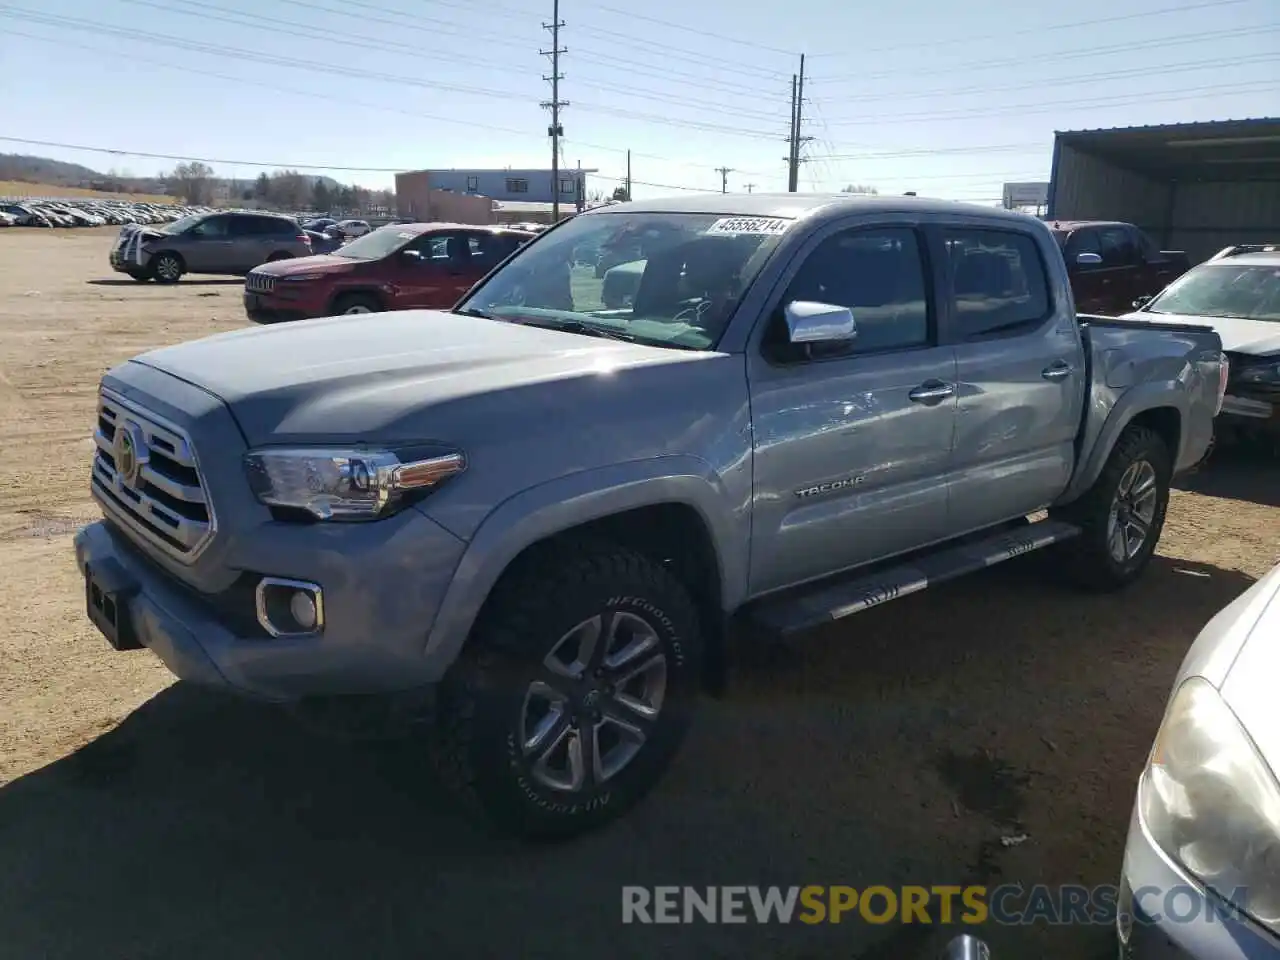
[1088,259]
[812,322]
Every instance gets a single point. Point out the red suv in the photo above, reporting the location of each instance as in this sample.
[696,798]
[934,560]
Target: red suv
[402,266]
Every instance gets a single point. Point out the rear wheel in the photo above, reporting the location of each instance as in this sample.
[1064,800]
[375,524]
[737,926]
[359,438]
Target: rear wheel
[356,303]
[167,268]
[279,255]
[1122,515]
[573,694]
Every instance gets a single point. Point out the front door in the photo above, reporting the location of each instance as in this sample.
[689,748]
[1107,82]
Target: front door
[1020,377]
[1091,283]
[851,441]
[206,247]
[421,278]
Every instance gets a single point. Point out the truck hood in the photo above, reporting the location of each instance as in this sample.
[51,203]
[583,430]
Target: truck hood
[1259,338]
[370,377]
[319,263]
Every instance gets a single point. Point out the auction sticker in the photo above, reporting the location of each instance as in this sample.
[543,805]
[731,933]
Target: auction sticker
[750,226]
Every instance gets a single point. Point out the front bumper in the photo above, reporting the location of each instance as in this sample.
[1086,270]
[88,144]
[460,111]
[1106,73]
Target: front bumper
[1152,888]
[383,583]
[261,308]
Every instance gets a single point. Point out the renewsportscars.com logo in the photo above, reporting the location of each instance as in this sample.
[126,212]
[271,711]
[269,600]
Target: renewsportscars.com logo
[1008,904]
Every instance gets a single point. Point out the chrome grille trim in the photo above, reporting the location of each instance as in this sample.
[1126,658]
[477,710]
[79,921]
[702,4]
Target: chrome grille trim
[259,283]
[167,506]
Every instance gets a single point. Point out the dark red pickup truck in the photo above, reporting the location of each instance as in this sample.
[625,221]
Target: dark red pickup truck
[402,266]
[1113,264]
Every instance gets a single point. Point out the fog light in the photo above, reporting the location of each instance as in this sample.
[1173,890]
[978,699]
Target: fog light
[303,609]
[289,608]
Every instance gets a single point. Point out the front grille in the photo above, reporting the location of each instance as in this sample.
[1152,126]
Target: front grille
[164,500]
[259,283]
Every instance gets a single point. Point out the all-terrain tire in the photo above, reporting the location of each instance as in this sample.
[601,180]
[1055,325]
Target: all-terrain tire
[480,728]
[1089,559]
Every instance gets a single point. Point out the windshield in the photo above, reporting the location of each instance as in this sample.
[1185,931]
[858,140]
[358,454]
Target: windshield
[1248,291]
[665,279]
[376,245]
[179,226]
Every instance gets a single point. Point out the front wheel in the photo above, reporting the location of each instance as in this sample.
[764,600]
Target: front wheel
[1122,515]
[573,694]
[167,268]
[355,303]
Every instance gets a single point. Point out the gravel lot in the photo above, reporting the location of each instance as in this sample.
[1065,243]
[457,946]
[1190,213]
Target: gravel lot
[141,819]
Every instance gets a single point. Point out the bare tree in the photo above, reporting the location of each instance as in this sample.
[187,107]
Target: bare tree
[860,188]
[290,190]
[193,182]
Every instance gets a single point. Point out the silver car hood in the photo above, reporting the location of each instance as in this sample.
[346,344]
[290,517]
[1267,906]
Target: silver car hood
[1259,338]
[387,376]
[1238,651]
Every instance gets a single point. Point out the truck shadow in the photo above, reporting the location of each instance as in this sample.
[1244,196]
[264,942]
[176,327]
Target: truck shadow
[207,827]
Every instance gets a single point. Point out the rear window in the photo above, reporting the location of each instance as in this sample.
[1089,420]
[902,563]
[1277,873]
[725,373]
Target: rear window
[998,281]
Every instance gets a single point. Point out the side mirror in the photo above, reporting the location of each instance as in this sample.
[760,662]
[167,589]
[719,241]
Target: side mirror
[811,322]
[1142,301]
[1088,259]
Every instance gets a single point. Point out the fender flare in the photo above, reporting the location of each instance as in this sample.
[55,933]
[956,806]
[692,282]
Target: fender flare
[1136,401]
[558,505]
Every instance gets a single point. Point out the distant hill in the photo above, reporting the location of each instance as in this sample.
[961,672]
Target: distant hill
[59,173]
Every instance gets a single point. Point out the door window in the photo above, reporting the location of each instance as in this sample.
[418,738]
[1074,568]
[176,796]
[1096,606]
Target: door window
[879,274]
[215,228]
[490,249]
[445,250]
[1118,247]
[1082,241]
[998,282]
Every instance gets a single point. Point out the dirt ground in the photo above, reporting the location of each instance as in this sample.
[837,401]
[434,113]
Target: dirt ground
[143,819]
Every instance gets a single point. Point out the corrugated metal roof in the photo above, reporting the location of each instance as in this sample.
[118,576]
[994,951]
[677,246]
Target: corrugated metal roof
[1173,127]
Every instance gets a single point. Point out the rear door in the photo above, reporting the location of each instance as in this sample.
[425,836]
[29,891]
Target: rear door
[1019,375]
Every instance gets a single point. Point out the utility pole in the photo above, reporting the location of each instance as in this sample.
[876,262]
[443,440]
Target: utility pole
[797,124]
[749,186]
[628,175]
[724,178]
[555,131]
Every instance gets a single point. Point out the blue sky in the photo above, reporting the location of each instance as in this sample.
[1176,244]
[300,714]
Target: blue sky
[949,99]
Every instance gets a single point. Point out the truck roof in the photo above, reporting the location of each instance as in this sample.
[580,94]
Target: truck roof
[797,205]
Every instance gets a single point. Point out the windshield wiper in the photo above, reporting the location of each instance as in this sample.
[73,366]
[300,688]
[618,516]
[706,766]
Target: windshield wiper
[578,326]
[472,312]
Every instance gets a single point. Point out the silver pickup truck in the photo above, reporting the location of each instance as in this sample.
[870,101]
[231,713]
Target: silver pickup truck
[553,515]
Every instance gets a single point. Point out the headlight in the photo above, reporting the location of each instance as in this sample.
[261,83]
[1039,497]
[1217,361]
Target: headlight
[345,484]
[1212,804]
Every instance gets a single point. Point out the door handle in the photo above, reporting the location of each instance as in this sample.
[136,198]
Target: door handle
[1057,371]
[932,391]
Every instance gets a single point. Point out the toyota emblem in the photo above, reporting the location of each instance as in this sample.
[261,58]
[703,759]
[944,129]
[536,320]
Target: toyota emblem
[130,452]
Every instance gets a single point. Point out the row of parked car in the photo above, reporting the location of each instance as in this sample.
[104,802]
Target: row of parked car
[28,212]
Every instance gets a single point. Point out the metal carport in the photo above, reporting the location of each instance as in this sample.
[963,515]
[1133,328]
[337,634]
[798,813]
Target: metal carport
[1196,187]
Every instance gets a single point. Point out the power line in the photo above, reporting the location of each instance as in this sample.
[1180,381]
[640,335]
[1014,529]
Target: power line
[347,39]
[724,178]
[672,25]
[325,96]
[330,68]
[1050,106]
[861,51]
[1121,48]
[1184,67]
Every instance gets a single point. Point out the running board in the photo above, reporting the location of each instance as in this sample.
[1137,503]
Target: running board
[794,613]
